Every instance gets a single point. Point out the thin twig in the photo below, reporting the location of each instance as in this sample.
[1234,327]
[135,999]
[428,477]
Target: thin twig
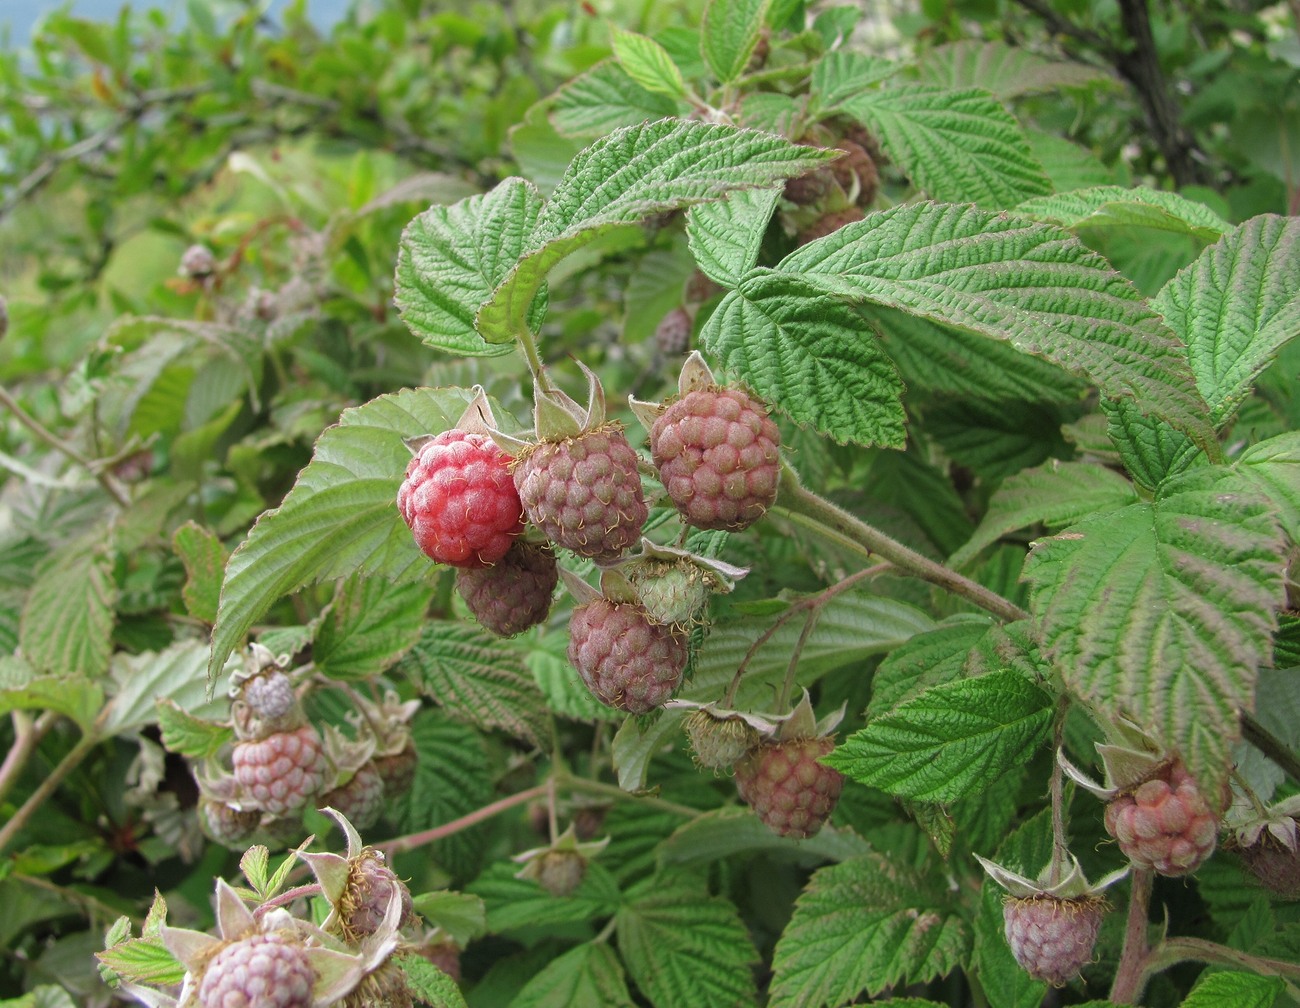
[1131,974]
[415,840]
[47,787]
[27,736]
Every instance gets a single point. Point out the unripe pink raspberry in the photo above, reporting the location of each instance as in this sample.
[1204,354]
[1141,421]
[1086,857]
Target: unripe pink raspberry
[225,824]
[515,592]
[260,971]
[584,492]
[270,695]
[626,659]
[716,450]
[360,798]
[787,788]
[673,333]
[1275,864]
[398,770]
[369,889]
[1052,938]
[460,501]
[1164,823]
[282,772]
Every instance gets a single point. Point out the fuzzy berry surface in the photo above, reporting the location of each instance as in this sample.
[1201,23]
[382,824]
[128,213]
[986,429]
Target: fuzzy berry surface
[787,788]
[1275,864]
[716,452]
[270,695]
[282,772]
[627,660]
[560,872]
[225,824]
[360,798]
[261,971]
[514,593]
[584,492]
[370,887]
[716,742]
[1165,823]
[1052,938]
[459,500]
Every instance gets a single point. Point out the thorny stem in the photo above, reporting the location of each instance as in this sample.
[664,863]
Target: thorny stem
[805,508]
[47,787]
[288,896]
[1057,787]
[810,602]
[1270,745]
[105,478]
[27,736]
[412,841]
[1131,975]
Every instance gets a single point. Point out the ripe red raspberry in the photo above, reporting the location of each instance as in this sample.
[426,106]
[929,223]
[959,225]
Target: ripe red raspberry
[460,501]
[369,889]
[828,223]
[673,333]
[787,788]
[398,770]
[360,798]
[1052,938]
[716,452]
[626,659]
[225,824]
[515,592]
[282,772]
[584,492]
[1275,864]
[260,971]
[1164,823]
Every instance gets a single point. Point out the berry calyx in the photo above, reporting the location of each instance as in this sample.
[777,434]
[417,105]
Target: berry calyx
[627,660]
[515,592]
[459,500]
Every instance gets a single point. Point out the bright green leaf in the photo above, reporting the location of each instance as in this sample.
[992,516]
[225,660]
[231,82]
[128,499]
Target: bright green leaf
[929,659]
[590,974]
[1008,71]
[1111,206]
[1272,468]
[841,75]
[648,63]
[22,689]
[867,925]
[431,985]
[188,735]
[725,236]
[461,916]
[1234,989]
[604,99]
[514,903]
[67,621]
[728,35]
[368,626]
[205,559]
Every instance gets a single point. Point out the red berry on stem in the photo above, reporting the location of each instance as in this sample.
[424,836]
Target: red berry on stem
[787,788]
[627,660]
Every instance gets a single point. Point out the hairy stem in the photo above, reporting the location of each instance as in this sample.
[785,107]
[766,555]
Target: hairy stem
[805,508]
[288,896]
[47,787]
[1176,950]
[412,841]
[614,791]
[1060,841]
[27,736]
[1270,745]
[787,687]
[1131,975]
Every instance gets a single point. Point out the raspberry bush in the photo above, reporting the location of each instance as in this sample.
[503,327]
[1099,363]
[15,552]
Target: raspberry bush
[736,504]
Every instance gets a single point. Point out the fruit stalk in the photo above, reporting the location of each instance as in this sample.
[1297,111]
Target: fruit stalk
[1130,976]
[805,508]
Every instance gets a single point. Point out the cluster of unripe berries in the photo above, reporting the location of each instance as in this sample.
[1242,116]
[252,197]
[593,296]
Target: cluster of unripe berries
[281,764]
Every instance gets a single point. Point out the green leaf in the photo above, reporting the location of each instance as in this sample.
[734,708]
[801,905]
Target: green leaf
[1006,70]
[368,626]
[341,516]
[866,925]
[725,236]
[1234,989]
[684,948]
[812,357]
[728,34]
[929,659]
[955,145]
[841,74]
[462,916]
[563,689]
[429,984]
[734,830]
[452,258]
[604,99]
[204,557]
[188,735]
[1163,612]
[647,62]
[632,174]
[1032,285]
[514,903]
[478,679]
[1110,206]
[67,622]
[590,974]
[1272,468]
[1055,495]
[144,679]
[22,689]
[143,961]
[951,740]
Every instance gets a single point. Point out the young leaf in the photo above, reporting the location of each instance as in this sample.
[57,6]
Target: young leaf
[67,621]
[368,626]
[725,235]
[143,961]
[842,74]
[451,258]
[204,558]
[477,679]
[1110,206]
[1055,494]
[1032,285]
[951,740]
[341,516]
[188,735]
[728,34]
[1162,612]
[866,925]
[590,974]
[1006,70]
[954,145]
[1234,989]
[683,947]
[429,984]
[632,174]
[833,373]
[648,63]
[604,99]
